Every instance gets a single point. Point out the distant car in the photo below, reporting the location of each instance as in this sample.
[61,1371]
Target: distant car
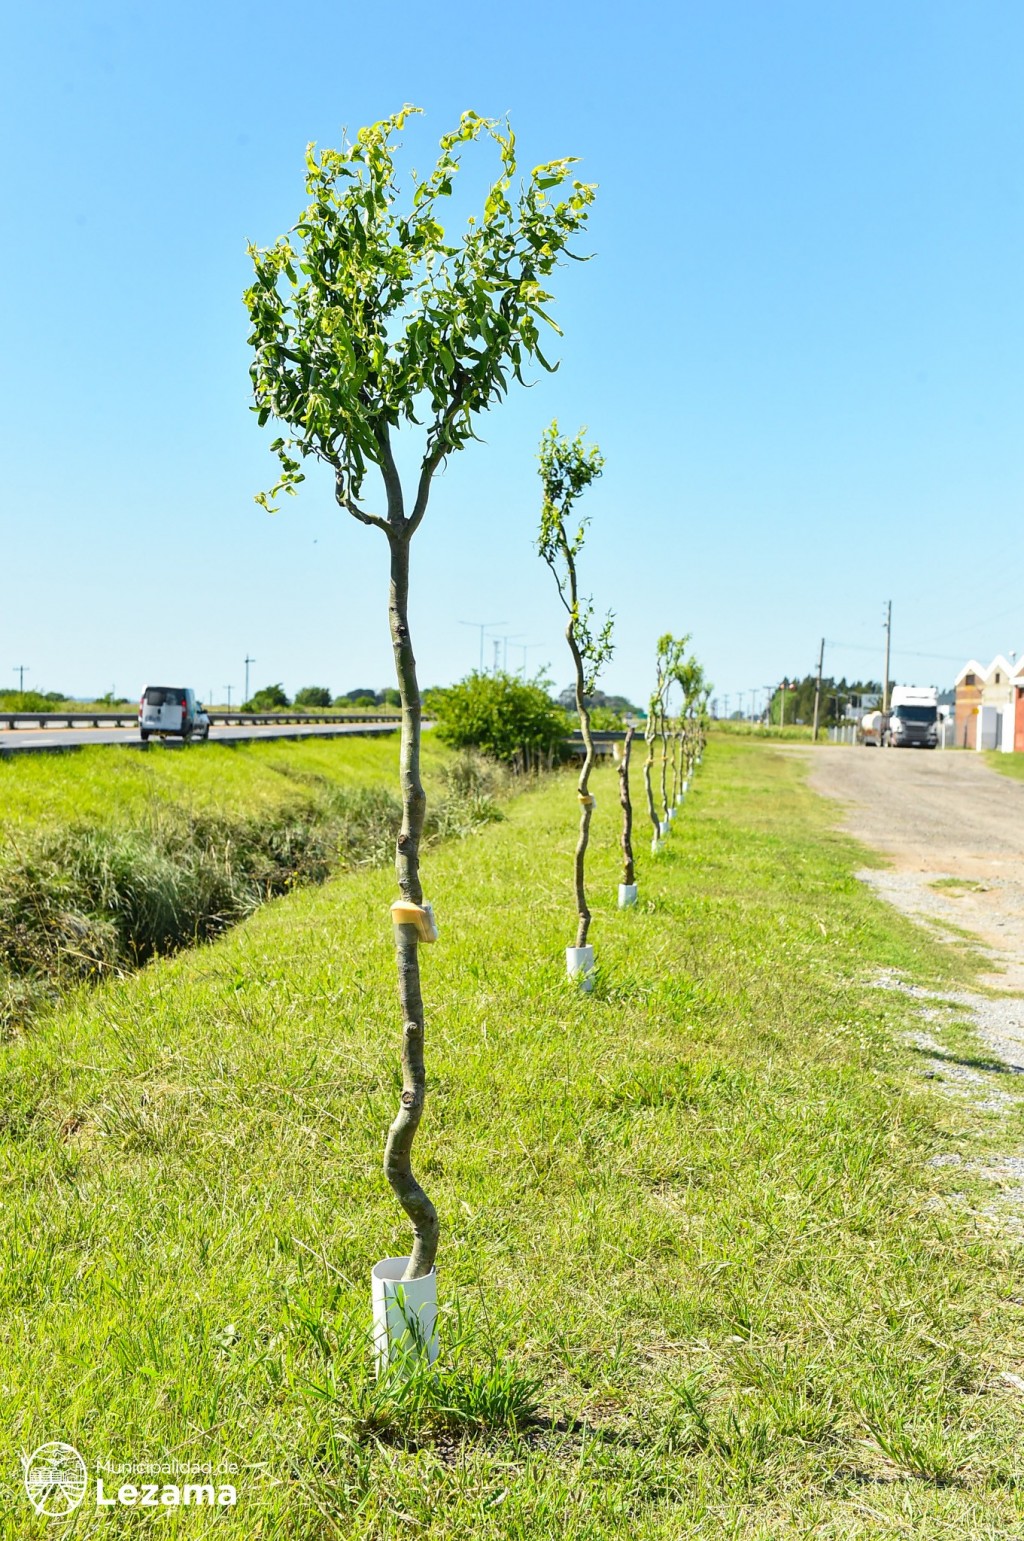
[172,712]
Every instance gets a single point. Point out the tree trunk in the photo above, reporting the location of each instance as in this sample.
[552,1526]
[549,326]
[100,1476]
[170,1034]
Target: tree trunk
[398,1151]
[664,765]
[676,735]
[627,809]
[583,791]
[648,764]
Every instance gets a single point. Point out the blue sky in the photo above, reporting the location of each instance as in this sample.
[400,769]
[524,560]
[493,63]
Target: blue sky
[799,341]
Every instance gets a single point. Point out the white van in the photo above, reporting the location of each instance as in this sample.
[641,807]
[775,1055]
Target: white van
[171,710]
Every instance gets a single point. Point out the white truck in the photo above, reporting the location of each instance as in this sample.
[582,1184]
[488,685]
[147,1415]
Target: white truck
[913,720]
[870,729]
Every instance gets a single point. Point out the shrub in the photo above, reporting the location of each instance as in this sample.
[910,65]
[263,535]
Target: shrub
[27,701]
[512,720]
[270,699]
[317,696]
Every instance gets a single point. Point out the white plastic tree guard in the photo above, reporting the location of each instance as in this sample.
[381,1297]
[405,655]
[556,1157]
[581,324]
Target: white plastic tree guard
[579,965]
[404,1316]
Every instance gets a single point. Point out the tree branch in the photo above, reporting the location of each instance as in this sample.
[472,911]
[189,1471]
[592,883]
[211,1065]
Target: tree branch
[341,496]
[432,460]
[392,480]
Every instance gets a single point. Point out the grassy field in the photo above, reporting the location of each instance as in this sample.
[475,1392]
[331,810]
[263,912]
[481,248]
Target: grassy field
[112,786]
[106,863]
[690,1218]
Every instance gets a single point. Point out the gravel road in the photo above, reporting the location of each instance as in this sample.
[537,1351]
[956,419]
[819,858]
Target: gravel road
[952,831]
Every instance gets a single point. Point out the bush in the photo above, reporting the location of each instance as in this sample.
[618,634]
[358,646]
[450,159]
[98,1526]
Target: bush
[270,699]
[512,720]
[604,720]
[317,696]
[28,701]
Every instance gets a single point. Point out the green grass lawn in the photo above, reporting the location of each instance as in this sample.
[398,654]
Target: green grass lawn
[105,785]
[695,1208]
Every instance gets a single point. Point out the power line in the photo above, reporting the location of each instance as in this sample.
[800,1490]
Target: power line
[484,626]
[902,652]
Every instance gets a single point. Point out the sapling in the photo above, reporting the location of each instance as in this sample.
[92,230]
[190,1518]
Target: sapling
[664,729]
[366,319]
[666,656]
[567,469]
[689,676]
[627,888]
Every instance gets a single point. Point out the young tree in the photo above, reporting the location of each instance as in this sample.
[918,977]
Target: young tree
[664,729]
[367,318]
[669,650]
[689,676]
[567,468]
[628,866]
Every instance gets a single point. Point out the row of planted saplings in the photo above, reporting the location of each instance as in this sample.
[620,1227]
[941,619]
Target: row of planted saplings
[370,319]
[568,467]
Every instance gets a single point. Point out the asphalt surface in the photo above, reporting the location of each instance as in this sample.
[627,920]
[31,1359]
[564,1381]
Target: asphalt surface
[49,738]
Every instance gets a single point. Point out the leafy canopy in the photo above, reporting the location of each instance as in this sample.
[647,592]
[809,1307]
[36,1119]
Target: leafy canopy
[368,316]
[567,468]
[688,674]
[669,656]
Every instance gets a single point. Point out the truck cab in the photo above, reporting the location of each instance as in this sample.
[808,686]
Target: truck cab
[913,719]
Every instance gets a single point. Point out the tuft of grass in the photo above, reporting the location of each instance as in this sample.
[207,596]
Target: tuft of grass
[967,885]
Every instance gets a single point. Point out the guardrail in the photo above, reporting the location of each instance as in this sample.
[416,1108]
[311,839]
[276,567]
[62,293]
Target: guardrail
[604,740]
[129,718]
[604,743]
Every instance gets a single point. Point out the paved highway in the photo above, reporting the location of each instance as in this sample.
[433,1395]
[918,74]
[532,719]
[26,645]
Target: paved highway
[18,740]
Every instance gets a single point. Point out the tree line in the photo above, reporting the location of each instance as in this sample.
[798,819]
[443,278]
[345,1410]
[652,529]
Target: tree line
[839,699]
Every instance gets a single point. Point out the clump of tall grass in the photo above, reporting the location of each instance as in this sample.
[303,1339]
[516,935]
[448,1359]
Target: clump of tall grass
[473,787]
[85,902]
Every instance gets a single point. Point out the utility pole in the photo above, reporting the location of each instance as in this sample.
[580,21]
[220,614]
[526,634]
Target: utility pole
[228,689]
[248,661]
[526,647]
[497,650]
[817,688]
[510,637]
[484,626]
[888,639]
[21,669]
